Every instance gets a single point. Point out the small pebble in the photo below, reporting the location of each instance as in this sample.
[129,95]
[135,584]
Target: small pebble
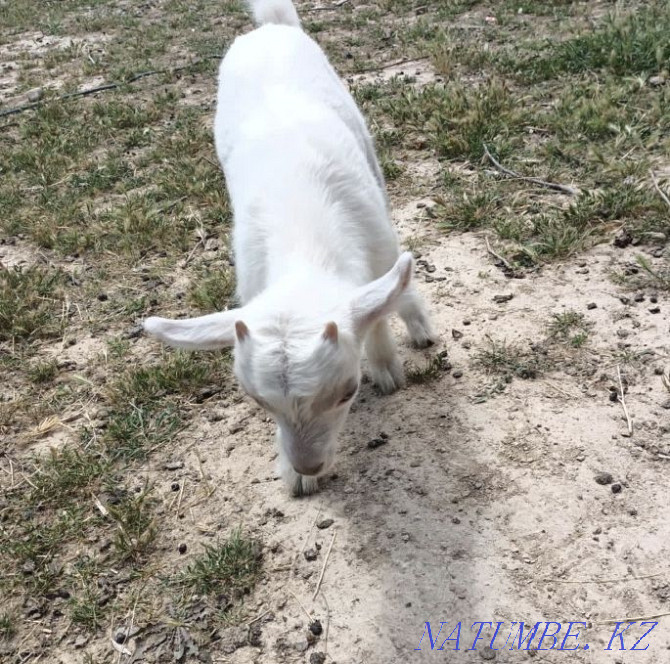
[622,239]
[487,653]
[311,554]
[173,465]
[466,322]
[316,628]
[457,374]
[182,548]
[455,520]
[81,641]
[456,334]
[655,310]
[377,442]
[500,299]
[591,305]
[325,523]
[604,479]
[175,486]
[616,488]
[317,658]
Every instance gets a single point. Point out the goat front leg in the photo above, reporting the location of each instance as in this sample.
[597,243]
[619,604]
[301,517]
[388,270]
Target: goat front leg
[413,313]
[385,368]
[298,485]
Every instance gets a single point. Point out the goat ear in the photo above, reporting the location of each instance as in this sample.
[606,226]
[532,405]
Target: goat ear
[330,332]
[203,333]
[380,297]
[241,331]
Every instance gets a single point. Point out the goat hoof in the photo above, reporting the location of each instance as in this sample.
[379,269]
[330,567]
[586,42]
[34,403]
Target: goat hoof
[423,342]
[388,379]
[304,486]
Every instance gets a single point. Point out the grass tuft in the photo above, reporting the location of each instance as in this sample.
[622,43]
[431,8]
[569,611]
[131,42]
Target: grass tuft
[30,303]
[508,360]
[569,327]
[232,566]
[627,44]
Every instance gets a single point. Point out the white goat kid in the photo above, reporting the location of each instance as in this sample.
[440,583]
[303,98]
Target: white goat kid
[317,260]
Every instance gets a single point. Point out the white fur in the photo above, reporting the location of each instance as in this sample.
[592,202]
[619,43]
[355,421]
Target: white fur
[313,245]
[281,12]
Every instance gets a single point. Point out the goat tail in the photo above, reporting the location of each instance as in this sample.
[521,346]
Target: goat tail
[279,12]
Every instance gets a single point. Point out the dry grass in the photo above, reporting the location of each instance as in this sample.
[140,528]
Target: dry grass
[110,194]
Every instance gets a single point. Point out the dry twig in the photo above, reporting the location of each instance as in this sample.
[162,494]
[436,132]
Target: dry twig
[323,569]
[623,402]
[661,193]
[107,86]
[388,65]
[328,8]
[504,261]
[613,580]
[636,619]
[542,183]
[307,613]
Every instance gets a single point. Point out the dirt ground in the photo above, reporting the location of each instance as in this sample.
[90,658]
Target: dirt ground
[475,508]
[472,496]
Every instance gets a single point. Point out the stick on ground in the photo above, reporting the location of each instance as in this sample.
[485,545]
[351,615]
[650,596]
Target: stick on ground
[542,183]
[306,612]
[107,86]
[661,193]
[323,569]
[507,265]
[623,402]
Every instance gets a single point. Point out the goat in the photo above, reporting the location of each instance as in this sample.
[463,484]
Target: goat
[316,258]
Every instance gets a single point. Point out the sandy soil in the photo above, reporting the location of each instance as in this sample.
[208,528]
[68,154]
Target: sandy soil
[481,505]
[474,510]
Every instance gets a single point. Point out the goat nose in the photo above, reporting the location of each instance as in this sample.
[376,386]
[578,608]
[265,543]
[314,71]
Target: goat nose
[308,470]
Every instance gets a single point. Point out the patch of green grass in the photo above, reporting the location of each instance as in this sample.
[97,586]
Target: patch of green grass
[30,303]
[145,411]
[178,372]
[467,212]
[626,44]
[212,290]
[660,278]
[133,431]
[87,602]
[33,540]
[456,119]
[232,566]
[433,370]
[66,473]
[7,627]
[569,327]
[508,360]
[136,525]
[43,372]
